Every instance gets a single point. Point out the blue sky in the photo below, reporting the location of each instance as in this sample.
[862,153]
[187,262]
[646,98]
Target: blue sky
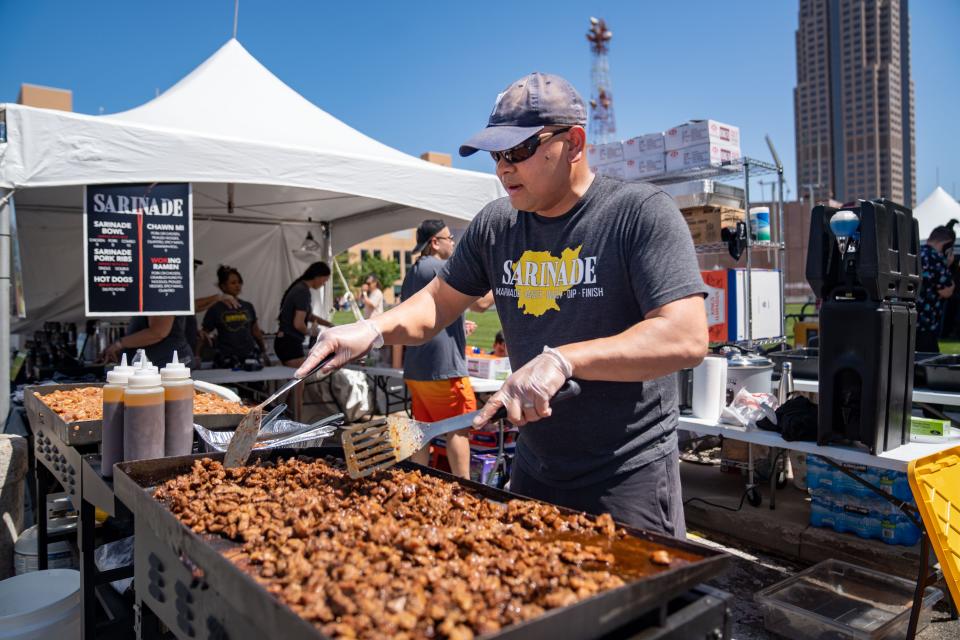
[423,75]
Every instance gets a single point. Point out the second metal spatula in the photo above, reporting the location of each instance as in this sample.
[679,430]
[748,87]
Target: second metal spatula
[370,449]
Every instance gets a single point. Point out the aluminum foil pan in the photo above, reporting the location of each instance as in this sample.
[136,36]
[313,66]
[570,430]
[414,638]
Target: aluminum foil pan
[218,441]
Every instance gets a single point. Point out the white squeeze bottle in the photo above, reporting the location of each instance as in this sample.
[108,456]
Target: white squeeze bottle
[143,415]
[178,409]
[111,447]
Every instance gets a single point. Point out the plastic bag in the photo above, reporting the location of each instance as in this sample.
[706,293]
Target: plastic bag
[748,408]
[114,555]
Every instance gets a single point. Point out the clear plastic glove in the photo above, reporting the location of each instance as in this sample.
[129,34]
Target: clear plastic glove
[347,341]
[527,392]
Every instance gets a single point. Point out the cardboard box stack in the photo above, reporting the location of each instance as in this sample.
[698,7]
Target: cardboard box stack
[694,144]
[698,132]
[706,223]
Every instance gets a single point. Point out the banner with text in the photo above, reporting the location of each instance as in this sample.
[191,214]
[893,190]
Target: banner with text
[138,246]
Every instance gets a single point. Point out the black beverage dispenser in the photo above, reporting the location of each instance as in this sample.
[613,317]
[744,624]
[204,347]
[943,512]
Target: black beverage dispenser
[864,263]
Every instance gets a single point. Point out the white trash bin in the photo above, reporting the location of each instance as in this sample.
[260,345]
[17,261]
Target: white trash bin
[42,605]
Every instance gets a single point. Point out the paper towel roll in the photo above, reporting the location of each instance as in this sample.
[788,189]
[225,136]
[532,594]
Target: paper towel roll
[709,388]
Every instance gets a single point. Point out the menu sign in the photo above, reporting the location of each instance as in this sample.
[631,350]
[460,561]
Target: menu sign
[138,247]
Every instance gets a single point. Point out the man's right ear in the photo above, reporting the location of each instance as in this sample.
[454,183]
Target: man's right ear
[578,144]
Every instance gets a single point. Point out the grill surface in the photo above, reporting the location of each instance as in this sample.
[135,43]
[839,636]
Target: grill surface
[187,582]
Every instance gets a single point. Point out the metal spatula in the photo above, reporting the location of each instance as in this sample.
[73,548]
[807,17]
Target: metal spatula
[246,434]
[370,449]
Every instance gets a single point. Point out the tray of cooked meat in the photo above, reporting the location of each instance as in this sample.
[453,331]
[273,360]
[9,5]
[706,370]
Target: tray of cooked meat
[293,547]
[75,411]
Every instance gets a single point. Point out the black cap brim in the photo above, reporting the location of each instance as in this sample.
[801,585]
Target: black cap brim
[497,139]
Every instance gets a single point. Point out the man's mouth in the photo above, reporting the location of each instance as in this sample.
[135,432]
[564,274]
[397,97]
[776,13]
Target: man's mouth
[513,188]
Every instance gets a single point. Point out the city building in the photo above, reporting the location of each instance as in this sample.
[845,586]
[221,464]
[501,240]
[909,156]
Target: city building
[853,103]
[34,95]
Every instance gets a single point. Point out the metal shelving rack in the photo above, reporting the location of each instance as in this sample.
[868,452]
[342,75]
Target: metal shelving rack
[743,170]
[734,171]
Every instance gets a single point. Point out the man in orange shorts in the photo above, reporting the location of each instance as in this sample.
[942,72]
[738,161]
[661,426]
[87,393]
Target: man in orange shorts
[436,372]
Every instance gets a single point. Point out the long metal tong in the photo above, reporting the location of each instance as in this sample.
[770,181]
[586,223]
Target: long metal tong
[246,434]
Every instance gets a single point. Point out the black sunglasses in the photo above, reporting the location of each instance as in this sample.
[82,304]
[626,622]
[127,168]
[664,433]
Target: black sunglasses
[526,149]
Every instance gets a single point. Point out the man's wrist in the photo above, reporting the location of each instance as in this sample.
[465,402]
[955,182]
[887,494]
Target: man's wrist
[378,340]
[566,367]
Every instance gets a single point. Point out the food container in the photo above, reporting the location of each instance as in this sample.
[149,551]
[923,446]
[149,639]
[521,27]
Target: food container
[941,372]
[220,440]
[84,432]
[837,600]
[805,362]
[919,373]
[39,414]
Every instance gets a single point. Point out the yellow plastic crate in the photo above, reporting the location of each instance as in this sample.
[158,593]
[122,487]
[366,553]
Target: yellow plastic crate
[935,483]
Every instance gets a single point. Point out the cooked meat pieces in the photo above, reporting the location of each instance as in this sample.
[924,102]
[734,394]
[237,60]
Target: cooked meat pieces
[399,554]
[660,557]
[75,405]
[210,403]
[86,403]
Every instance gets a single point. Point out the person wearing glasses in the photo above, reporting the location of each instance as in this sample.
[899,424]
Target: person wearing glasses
[594,279]
[435,372]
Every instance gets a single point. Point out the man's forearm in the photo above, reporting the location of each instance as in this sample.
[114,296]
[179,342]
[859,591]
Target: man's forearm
[648,350]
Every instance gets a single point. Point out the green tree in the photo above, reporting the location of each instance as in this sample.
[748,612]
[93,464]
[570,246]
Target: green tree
[387,271]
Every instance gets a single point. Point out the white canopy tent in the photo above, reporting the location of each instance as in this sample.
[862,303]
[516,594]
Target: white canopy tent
[266,165]
[937,209]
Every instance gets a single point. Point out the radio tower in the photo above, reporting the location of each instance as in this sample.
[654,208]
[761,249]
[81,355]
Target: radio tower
[603,127]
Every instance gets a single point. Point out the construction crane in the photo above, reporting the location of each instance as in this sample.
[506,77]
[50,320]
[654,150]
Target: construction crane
[603,127]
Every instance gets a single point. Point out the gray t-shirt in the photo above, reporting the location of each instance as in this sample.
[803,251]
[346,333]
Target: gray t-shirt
[443,356]
[620,252]
[298,299]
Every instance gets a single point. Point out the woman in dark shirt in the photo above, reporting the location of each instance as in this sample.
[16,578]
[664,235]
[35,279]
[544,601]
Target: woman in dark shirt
[238,335]
[295,307]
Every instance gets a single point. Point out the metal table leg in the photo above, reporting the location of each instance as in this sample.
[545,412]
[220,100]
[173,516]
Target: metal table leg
[921,585]
[88,569]
[42,478]
[146,623]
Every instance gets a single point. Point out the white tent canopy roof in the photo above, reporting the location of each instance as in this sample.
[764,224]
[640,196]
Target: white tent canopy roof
[263,161]
[232,122]
[937,209]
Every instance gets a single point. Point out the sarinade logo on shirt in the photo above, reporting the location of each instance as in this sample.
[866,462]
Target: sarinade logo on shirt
[539,280]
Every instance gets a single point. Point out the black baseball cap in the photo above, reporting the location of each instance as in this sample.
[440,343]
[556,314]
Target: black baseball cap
[426,231]
[527,106]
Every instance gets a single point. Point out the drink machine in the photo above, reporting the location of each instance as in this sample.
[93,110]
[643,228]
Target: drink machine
[863,262]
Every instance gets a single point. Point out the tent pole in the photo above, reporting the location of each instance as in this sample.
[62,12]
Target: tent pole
[5,198]
[328,287]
